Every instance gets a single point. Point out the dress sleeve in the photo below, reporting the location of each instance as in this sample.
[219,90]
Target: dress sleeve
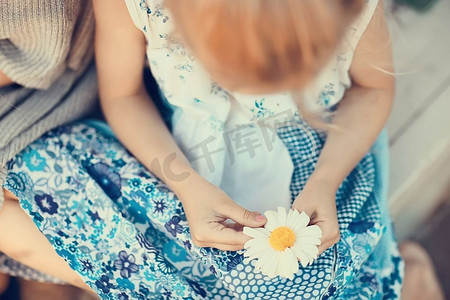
[138,12]
[351,40]
[359,26]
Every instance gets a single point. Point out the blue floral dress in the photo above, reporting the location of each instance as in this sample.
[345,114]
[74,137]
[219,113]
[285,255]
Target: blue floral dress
[125,233]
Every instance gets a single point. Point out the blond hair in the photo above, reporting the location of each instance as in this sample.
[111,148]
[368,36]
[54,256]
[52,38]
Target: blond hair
[268,44]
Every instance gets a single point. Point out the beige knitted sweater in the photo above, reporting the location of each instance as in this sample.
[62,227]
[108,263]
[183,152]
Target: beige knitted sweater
[46,48]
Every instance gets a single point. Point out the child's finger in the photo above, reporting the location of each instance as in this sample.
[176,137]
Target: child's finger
[329,239]
[220,235]
[243,216]
[220,246]
[304,207]
[226,247]
[234,226]
[324,246]
[231,236]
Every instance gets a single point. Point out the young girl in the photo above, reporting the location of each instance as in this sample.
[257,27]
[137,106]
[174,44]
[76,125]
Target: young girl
[230,70]
[240,77]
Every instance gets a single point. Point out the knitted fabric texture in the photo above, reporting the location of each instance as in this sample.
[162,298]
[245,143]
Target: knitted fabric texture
[39,39]
[46,47]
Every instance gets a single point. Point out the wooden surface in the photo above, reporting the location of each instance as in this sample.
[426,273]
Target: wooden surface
[419,127]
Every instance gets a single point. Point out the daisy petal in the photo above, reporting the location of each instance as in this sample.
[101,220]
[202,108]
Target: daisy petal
[310,240]
[277,258]
[291,218]
[257,243]
[255,252]
[287,258]
[293,264]
[301,221]
[262,262]
[256,232]
[312,230]
[270,268]
[302,256]
[281,216]
[309,249]
[283,265]
[271,223]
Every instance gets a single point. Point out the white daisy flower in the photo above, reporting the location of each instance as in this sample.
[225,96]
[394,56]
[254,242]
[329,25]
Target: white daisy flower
[285,239]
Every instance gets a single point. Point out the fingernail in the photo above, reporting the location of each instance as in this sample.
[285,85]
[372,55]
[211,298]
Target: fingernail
[259,218]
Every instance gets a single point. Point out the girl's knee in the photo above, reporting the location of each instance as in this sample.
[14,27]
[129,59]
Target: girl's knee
[11,212]
[9,196]
[76,280]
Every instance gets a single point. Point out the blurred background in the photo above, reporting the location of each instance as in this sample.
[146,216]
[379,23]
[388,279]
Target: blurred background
[419,133]
[419,127]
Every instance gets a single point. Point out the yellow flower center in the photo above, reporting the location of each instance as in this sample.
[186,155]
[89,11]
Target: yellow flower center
[281,238]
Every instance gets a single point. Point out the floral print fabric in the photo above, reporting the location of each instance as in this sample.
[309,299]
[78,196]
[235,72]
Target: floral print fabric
[125,232]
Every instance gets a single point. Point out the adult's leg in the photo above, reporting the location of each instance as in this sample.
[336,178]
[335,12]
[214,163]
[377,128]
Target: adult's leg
[34,290]
[4,281]
[22,241]
[420,278]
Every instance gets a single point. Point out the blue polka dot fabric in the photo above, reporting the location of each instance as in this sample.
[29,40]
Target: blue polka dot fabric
[124,232]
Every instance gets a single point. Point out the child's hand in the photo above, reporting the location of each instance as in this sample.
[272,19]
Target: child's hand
[207,208]
[319,202]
